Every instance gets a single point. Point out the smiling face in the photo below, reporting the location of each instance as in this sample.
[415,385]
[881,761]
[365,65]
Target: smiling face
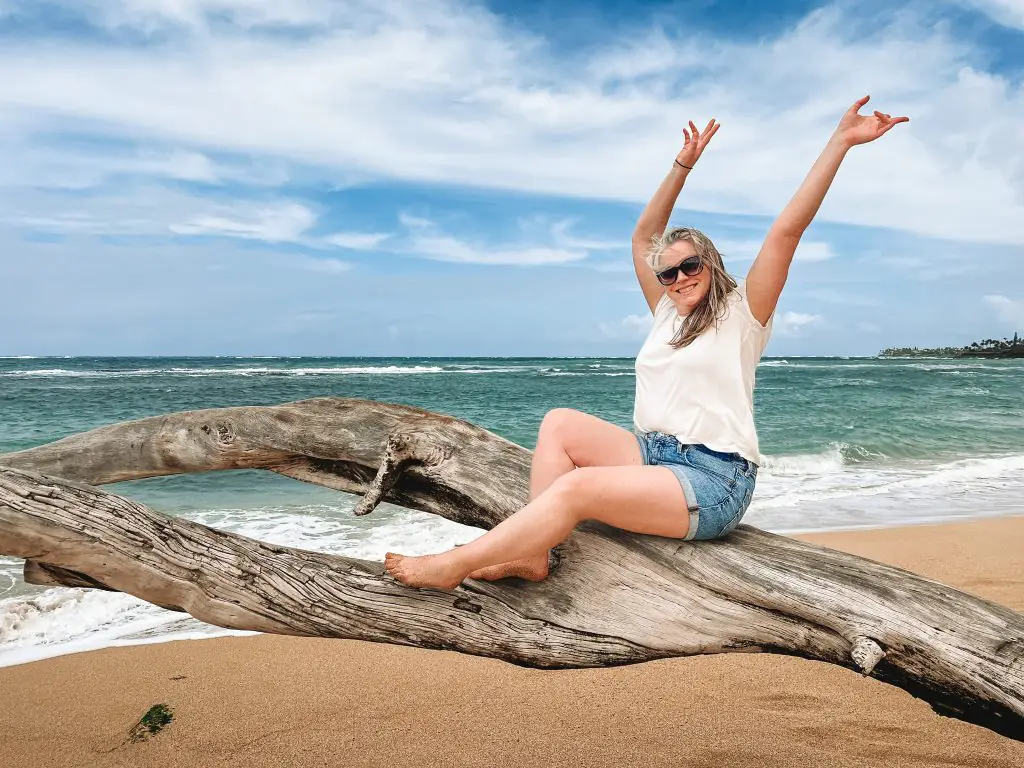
[686,292]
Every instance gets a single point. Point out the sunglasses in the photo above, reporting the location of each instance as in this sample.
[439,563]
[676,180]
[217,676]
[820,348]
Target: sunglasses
[690,266]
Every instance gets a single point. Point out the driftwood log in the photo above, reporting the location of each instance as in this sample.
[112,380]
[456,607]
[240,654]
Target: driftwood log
[612,597]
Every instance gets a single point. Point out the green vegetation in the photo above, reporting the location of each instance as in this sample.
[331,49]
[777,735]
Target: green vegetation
[158,716]
[988,348]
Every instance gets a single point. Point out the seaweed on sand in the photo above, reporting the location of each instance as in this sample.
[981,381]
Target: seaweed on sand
[155,720]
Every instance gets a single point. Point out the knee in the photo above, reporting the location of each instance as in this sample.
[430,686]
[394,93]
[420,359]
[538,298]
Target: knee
[571,492]
[556,420]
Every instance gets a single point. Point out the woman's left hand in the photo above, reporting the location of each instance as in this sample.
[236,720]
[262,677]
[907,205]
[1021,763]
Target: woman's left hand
[856,129]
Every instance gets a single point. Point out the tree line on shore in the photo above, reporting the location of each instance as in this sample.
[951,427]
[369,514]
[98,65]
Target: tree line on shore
[988,348]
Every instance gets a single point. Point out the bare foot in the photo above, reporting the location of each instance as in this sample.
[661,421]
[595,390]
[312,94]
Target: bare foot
[424,571]
[529,568]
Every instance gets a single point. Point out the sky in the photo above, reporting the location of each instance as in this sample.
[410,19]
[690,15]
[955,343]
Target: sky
[447,178]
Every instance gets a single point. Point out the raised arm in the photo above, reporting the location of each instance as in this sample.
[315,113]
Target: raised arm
[654,219]
[768,273]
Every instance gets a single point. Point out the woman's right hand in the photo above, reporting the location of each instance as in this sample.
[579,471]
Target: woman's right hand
[695,141]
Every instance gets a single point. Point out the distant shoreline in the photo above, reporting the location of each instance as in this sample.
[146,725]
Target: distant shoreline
[990,348]
[1017,353]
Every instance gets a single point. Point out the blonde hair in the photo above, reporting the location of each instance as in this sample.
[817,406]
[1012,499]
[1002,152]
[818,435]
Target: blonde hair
[714,305]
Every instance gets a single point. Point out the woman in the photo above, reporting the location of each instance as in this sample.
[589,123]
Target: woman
[689,472]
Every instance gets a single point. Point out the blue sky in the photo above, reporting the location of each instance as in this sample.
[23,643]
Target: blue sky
[433,177]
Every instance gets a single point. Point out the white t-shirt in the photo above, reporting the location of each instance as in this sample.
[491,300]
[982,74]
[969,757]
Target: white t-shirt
[704,392]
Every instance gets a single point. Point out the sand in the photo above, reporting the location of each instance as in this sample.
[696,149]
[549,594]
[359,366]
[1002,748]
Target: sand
[278,701]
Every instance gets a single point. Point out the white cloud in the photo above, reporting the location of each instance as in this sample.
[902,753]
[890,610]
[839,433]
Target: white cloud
[413,222]
[564,238]
[1009,13]
[813,250]
[1009,311]
[792,323]
[277,223]
[747,250]
[57,166]
[737,250]
[437,91]
[426,239]
[149,16]
[629,328]
[328,265]
[163,212]
[155,211]
[356,241]
[449,248]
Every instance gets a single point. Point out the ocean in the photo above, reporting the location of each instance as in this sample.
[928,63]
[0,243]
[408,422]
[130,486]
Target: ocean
[850,443]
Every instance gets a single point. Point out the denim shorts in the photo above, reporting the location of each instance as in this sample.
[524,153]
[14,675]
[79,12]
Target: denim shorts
[718,486]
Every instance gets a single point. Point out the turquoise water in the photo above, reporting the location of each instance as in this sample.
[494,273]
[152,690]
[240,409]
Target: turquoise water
[848,442]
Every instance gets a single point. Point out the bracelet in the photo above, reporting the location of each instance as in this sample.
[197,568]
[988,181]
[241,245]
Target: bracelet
[687,167]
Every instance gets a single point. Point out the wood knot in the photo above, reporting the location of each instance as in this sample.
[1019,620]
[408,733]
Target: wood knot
[225,435]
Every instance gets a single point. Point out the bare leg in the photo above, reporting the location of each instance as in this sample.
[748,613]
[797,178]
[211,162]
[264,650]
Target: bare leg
[567,439]
[640,499]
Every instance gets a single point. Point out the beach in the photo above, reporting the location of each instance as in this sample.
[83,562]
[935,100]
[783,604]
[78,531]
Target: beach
[283,701]
[916,463]
[295,285]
